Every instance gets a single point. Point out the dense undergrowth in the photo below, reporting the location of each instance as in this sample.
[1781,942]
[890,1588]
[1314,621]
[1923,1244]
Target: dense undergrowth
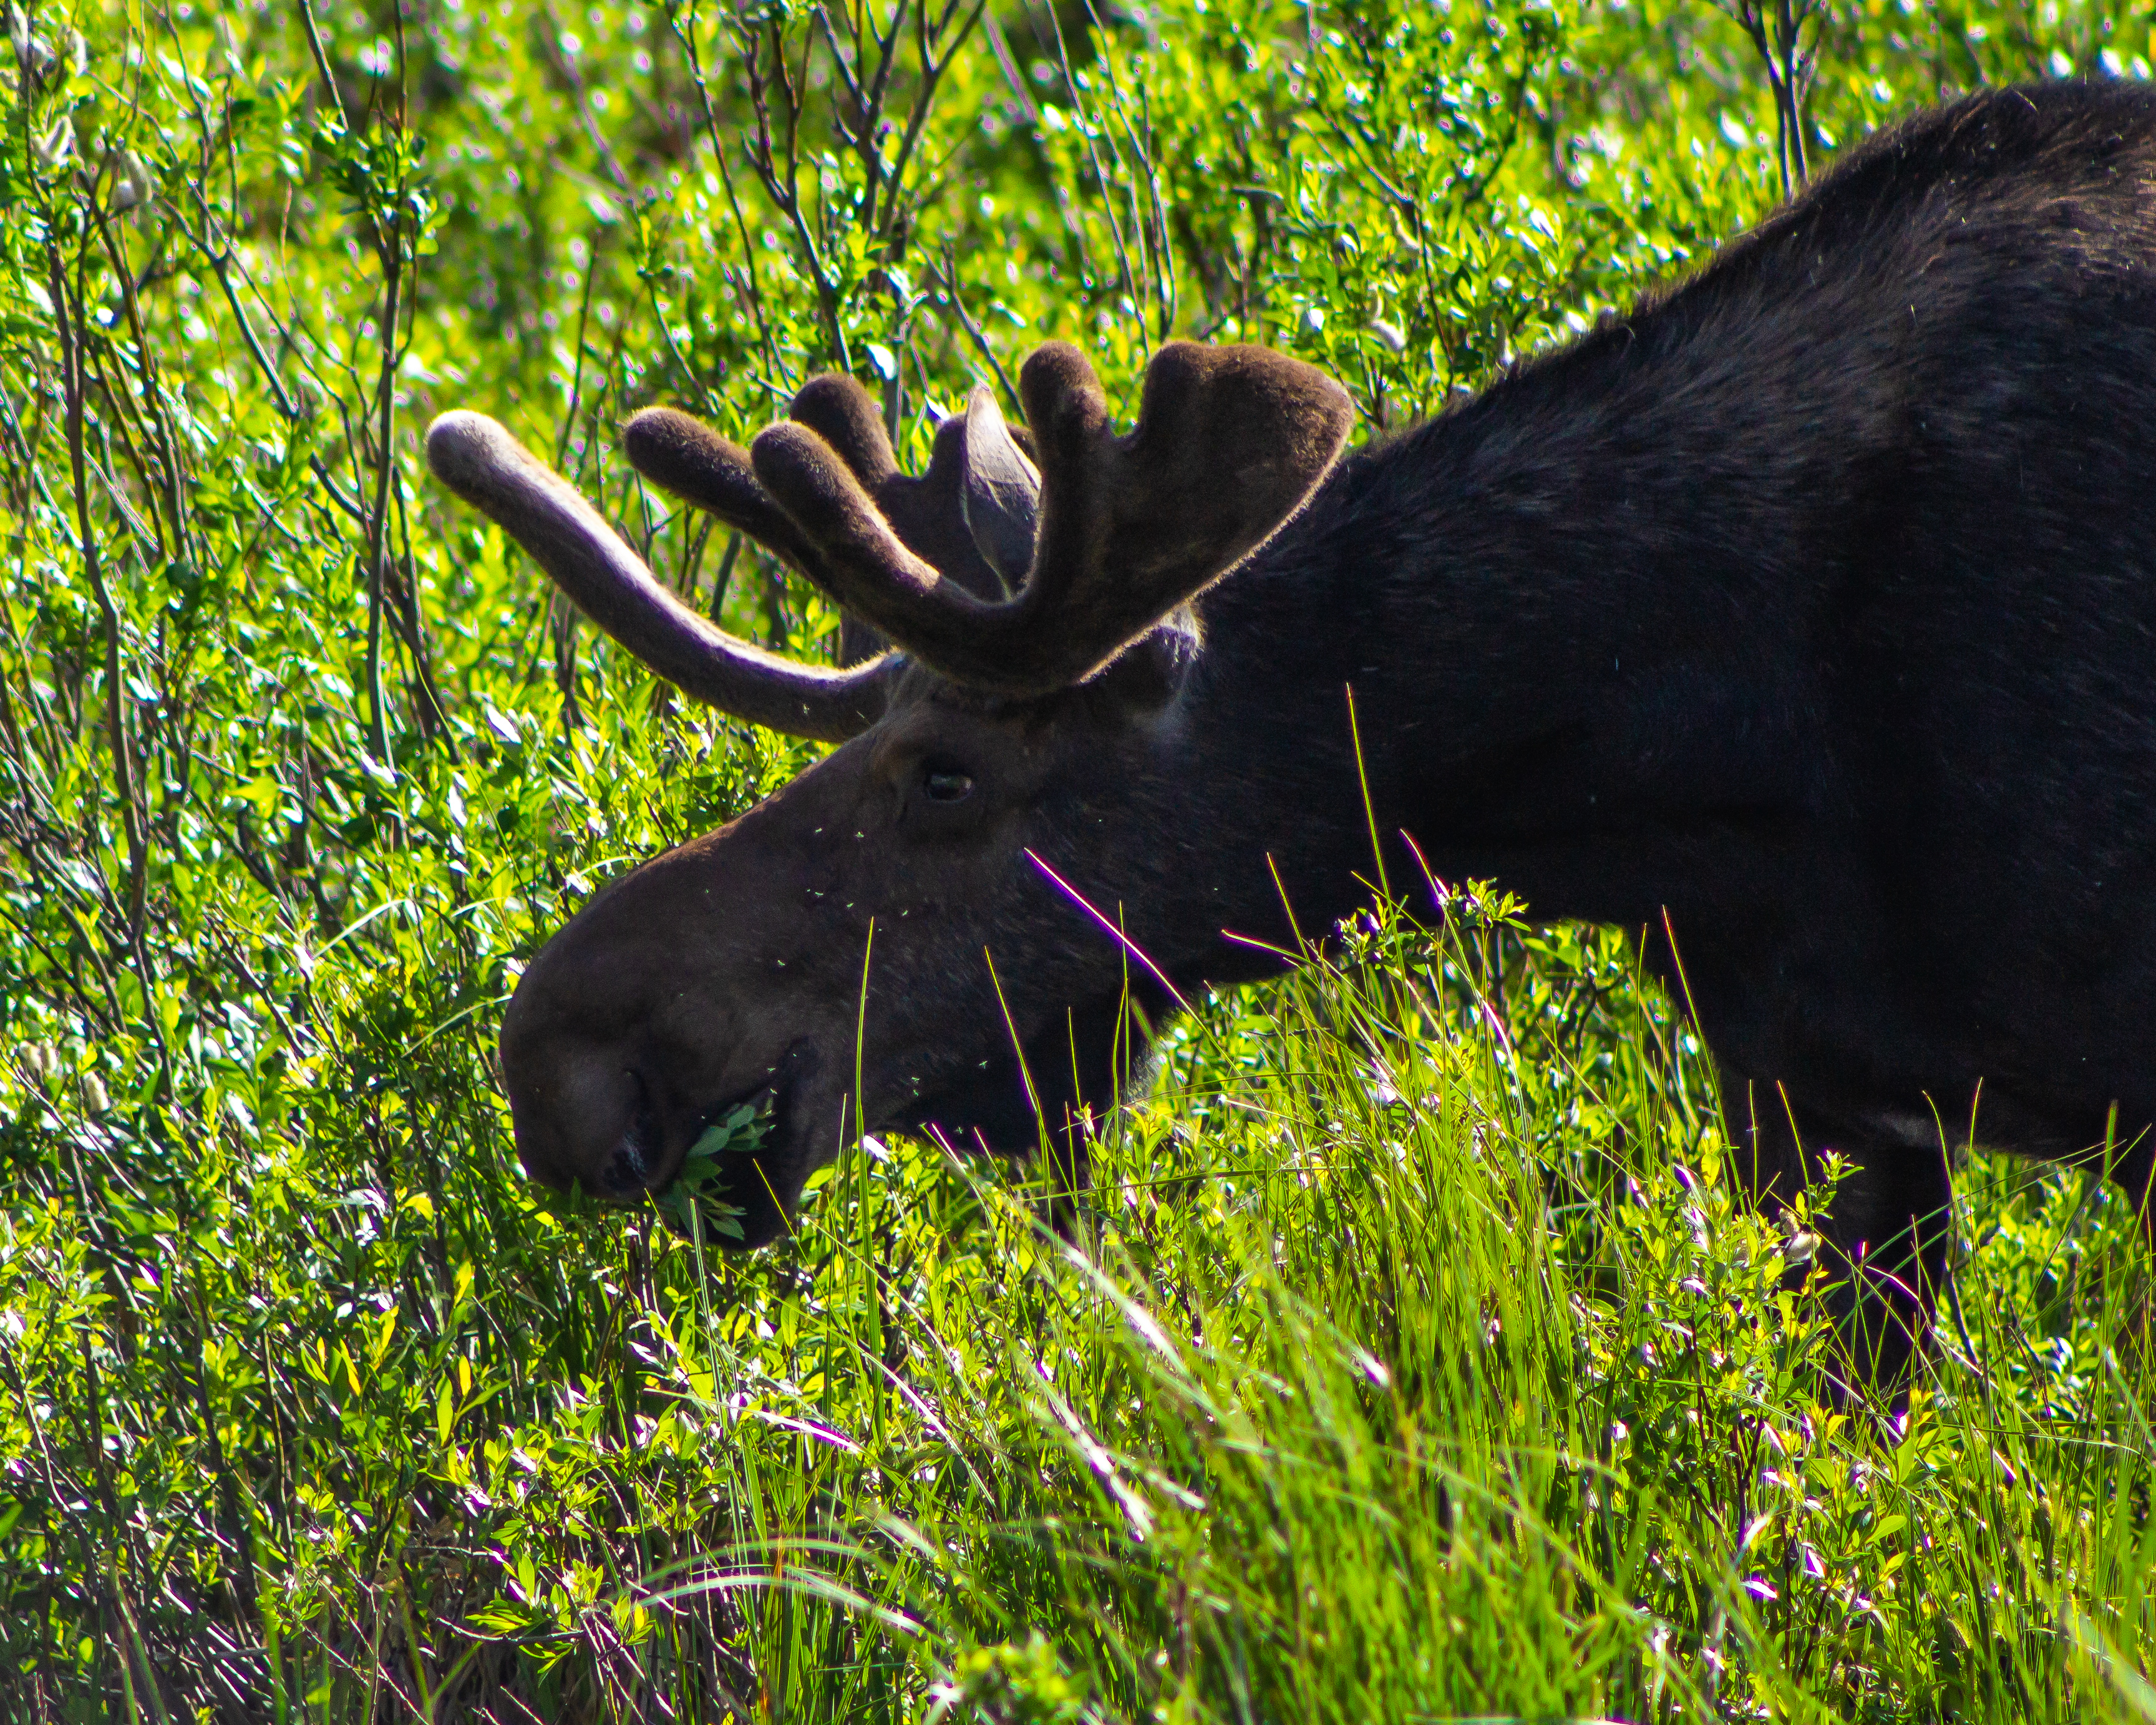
[1414,1363]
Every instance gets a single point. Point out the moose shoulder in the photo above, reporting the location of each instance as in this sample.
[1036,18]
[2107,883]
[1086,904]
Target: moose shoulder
[1804,616]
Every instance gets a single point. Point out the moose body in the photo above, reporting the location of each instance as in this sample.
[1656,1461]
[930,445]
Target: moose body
[1804,618]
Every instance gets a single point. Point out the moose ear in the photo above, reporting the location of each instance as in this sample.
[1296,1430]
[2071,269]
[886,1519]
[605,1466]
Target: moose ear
[1000,492]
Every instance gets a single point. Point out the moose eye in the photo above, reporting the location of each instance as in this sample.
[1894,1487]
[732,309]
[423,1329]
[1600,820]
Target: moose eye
[947,785]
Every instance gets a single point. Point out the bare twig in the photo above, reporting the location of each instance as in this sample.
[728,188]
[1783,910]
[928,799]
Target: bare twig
[1776,28]
[947,280]
[67,329]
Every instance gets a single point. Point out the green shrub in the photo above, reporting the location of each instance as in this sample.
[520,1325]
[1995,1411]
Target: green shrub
[1416,1364]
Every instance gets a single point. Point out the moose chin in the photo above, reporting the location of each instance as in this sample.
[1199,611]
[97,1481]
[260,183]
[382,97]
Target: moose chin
[1804,618]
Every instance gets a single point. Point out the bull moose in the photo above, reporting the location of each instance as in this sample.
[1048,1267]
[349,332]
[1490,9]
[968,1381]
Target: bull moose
[1804,617]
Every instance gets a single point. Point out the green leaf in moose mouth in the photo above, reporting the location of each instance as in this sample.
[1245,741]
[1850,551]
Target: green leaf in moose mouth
[692,1201]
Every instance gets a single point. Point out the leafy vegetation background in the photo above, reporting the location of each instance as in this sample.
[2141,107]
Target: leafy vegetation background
[1417,1364]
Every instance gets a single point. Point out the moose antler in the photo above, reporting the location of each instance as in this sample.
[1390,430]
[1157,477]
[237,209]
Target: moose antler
[1230,443]
[478,460]
[1104,539]
[970,516]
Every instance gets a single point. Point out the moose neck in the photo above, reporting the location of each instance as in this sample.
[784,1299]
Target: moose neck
[1574,625]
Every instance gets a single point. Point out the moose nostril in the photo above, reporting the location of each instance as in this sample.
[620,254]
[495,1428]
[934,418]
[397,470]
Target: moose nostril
[623,1176]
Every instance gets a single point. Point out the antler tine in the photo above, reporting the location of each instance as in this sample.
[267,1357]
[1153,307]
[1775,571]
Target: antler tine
[692,461]
[686,457]
[1230,443]
[478,460]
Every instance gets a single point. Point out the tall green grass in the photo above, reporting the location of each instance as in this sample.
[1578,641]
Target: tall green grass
[1411,1360]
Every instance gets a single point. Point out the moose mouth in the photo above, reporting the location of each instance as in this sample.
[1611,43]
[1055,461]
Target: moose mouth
[759,1184]
[995,1108]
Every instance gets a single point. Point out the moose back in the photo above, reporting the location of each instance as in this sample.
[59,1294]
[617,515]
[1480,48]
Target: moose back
[1805,617]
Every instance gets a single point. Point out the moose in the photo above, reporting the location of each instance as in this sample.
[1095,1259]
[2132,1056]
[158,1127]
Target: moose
[1803,619]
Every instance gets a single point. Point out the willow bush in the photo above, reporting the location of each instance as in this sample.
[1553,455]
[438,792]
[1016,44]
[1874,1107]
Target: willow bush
[1412,1361]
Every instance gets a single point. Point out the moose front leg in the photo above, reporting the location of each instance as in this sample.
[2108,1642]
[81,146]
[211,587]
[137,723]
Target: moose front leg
[1887,1230]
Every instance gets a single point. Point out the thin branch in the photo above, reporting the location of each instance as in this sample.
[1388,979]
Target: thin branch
[67,329]
[946,279]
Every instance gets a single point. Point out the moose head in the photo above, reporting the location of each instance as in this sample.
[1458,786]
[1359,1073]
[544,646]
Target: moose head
[948,917]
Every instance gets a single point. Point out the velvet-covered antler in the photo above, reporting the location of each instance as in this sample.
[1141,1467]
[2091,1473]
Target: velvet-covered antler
[1009,578]
[1230,443]
[970,516]
[478,460]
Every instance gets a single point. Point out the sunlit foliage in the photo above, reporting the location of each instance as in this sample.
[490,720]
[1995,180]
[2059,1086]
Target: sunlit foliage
[1416,1363]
